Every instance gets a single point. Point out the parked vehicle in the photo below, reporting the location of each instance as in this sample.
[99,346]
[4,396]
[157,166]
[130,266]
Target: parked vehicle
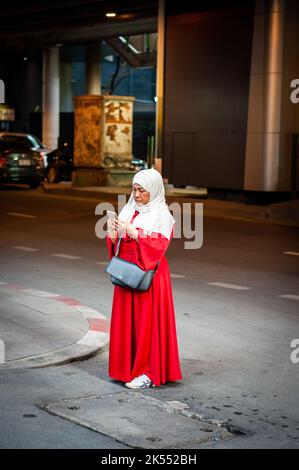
[31,141]
[138,164]
[19,164]
[60,164]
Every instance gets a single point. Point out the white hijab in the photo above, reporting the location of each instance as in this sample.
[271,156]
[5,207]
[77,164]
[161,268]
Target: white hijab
[153,216]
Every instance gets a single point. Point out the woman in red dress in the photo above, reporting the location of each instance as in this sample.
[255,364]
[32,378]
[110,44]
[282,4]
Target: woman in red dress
[143,349]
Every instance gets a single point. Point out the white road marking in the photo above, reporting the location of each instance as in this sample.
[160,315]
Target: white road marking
[25,248]
[103,263]
[293,253]
[39,293]
[93,338]
[228,286]
[89,312]
[19,214]
[289,296]
[177,276]
[65,256]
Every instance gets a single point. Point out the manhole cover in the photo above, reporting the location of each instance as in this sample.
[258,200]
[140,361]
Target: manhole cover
[138,420]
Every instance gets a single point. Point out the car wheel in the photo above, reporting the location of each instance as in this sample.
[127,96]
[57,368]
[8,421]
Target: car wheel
[52,175]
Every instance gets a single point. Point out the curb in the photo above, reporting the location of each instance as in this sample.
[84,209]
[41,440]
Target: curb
[95,192]
[212,208]
[95,340]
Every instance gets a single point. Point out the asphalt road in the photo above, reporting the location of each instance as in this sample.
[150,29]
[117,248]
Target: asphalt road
[236,301]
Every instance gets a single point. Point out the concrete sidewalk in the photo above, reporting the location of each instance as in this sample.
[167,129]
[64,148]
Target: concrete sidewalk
[284,213]
[40,329]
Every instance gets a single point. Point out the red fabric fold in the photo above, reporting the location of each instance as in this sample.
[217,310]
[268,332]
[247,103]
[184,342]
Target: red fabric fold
[143,336]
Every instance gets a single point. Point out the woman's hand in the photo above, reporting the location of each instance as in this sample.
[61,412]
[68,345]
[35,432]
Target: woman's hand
[112,230]
[124,227]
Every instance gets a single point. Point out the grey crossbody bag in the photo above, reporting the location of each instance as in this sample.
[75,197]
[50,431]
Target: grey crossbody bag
[129,275]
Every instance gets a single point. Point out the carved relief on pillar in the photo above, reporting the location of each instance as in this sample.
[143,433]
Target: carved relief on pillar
[88,131]
[118,131]
[103,131]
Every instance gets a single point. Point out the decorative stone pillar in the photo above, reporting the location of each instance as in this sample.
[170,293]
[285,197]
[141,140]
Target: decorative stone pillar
[103,140]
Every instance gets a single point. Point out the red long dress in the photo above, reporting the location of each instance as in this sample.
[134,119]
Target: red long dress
[143,330]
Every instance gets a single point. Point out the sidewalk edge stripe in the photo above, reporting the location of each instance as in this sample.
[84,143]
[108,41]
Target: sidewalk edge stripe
[95,340]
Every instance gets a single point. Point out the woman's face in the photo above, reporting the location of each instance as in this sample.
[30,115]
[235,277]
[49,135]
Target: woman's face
[141,196]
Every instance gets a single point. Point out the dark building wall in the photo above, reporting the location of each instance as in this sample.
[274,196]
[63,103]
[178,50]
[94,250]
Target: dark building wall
[23,86]
[207,69]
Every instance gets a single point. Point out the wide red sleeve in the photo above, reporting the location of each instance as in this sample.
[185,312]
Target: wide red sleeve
[111,246]
[151,249]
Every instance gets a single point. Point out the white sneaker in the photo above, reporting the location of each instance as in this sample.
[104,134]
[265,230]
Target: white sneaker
[142,381]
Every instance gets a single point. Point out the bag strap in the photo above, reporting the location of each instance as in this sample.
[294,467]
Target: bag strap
[157,266]
[118,248]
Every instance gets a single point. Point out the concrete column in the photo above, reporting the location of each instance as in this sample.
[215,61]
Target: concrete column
[273,94]
[93,71]
[160,79]
[265,98]
[66,93]
[51,97]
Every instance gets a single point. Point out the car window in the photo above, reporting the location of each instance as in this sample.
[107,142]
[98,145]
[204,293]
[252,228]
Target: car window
[38,142]
[33,141]
[27,140]
[4,145]
[13,146]
[12,138]
[17,139]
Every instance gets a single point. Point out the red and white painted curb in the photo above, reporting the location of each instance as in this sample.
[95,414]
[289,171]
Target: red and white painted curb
[95,340]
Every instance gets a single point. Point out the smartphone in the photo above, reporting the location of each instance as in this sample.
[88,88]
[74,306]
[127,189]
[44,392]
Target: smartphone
[111,215]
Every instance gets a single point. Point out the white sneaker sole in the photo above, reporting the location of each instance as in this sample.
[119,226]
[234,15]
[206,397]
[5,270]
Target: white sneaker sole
[136,387]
